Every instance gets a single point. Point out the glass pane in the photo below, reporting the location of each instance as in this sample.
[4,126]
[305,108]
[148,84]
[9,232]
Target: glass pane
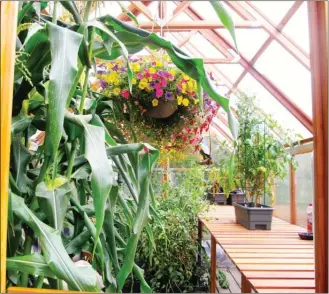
[282,201]
[297,28]
[288,74]
[274,10]
[304,185]
[271,106]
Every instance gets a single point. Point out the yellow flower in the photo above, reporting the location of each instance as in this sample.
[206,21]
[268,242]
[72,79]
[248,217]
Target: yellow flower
[142,85]
[196,101]
[116,91]
[184,86]
[150,79]
[152,70]
[155,102]
[186,77]
[144,81]
[184,91]
[190,84]
[110,65]
[116,82]
[185,102]
[135,67]
[172,72]
[134,81]
[159,63]
[179,100]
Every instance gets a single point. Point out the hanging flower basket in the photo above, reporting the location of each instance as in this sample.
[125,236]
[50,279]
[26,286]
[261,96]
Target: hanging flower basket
[163,107]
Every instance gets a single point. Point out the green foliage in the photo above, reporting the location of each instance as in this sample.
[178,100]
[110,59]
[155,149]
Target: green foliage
[261,152]
[171,266]
[66,190]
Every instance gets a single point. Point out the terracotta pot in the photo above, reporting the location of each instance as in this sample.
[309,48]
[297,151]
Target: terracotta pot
[164,109]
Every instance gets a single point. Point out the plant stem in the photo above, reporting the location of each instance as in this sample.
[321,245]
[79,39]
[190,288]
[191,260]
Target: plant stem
[39,282]
[71,159]
[55,12]
[87,10]
[27,250]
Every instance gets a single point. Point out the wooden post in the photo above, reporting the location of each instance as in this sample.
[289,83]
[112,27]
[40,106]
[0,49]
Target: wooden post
[200,228]
[213,265]
[293,203]
[245,285]
[318,27]
[8,42]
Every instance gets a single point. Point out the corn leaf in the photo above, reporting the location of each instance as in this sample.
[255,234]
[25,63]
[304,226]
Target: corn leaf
[64,51]
[33,264]
[54,252]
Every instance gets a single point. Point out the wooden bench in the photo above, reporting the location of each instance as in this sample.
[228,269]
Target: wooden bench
[275,261]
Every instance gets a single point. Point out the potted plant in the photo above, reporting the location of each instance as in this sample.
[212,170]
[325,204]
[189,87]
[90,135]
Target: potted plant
[261,157]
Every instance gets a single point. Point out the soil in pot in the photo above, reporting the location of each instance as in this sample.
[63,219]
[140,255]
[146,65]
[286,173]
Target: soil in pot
[253,217]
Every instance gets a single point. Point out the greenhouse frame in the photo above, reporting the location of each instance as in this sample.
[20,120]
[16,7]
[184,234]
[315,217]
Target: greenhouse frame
[164,146]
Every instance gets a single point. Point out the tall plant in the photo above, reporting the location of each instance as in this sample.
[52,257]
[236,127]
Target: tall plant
[64,193]
[262,153]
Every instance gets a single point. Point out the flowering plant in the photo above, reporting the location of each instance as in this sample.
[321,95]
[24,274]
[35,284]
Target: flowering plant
[156,87]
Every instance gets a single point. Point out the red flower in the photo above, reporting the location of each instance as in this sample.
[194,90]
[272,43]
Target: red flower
[125,94]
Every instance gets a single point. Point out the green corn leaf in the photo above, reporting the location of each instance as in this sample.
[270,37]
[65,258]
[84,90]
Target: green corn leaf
[54,201]
[33,264]
[76,244]
[20,160]
[128,12]
[64,50]
[72,8]
[19,123]
[54,252]
[225,18]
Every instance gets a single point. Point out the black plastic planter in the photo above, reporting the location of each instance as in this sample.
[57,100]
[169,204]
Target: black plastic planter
[254,218]
[235,198]
[218,198]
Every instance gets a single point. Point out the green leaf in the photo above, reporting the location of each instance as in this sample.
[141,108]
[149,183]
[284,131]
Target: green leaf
[225,18]
[54,202]
[33,264]
[71,7]
[54,252]
[20,160]
[64,50]
[128,12]
[75,245]
[19,123]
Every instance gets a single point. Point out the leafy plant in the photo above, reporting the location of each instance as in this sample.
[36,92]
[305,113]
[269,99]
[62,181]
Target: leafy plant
[262,153]
[65,200]
[172,265]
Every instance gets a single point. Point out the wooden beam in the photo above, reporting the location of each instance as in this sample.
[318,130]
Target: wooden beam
[187,38]
[281,38]
[293,202]
[124,17]
[265,82]
[141,7]
[179,26]
[318,27]
[221,130]
[267,43]
[9,11]
[213,265]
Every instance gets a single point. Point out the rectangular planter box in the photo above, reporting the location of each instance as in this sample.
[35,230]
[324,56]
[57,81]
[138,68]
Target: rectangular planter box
[254,218]
[218,198]
[235,198]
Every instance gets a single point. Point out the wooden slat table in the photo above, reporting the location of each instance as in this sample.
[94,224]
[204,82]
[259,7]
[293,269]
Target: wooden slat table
[275,261]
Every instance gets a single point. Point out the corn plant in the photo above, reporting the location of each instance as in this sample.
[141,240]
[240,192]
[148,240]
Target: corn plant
[66,200]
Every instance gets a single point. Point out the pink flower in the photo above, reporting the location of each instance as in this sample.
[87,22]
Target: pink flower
[140,76]
[154,63]
[125,94]
[163,83]
[155,76]
[159,93]
[158,87]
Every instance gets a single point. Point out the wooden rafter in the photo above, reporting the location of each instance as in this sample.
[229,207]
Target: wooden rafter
[178,26]
[285,41]
[179,9]
[269,40]
[318,27]
[187,38]
[132,8]
[217,125]
[264,81]
[141,7]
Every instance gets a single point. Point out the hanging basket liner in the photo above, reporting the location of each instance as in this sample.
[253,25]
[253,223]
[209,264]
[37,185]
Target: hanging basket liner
[164,109]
